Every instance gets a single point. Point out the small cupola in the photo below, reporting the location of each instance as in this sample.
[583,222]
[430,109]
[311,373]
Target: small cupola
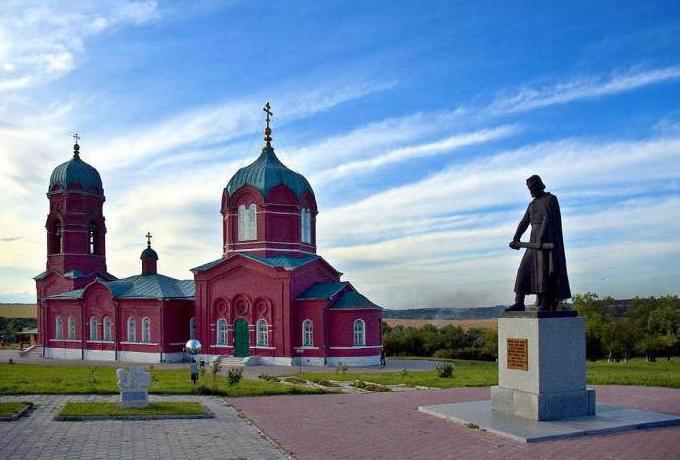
[149,258]
[77,174]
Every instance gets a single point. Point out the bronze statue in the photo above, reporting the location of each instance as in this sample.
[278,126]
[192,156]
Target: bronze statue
[543,270]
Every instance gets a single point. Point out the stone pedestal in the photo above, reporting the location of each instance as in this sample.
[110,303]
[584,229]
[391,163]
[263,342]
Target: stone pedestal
[542,366]
[134,387]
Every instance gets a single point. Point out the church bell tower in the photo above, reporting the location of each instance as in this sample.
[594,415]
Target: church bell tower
[76,245]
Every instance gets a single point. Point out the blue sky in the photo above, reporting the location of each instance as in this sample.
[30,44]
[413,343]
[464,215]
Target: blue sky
[416,123]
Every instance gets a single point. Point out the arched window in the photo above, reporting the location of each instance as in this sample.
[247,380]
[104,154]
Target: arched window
[247,222]
[92,239]
[146,330]
[55,236]
[305,225]
[131,330]
[307,334]
[71,328]
[59,328]
[262,338]
[359,333]
[222,332]
[93,328]
[107,329]
[192,328]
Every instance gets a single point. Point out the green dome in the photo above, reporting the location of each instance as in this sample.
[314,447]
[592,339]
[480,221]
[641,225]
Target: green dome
[149,254]
[267,172]
[76,171]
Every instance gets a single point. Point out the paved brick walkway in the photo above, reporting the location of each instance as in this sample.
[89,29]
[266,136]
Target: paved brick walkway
[388,426]
[37,436]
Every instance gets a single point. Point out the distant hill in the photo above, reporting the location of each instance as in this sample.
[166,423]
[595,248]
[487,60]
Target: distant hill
[445,313]
[17,310]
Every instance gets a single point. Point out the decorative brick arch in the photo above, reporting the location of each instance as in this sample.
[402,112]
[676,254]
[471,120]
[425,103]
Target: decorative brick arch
[262,309]
[220,309]
[242,307]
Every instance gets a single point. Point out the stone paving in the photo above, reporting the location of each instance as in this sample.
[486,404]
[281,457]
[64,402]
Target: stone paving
[38,436]
[389,426]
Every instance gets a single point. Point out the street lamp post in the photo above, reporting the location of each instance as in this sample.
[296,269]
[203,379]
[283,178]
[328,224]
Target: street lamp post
[194,347]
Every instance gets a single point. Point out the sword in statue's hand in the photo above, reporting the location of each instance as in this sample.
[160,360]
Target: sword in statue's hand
[540,246]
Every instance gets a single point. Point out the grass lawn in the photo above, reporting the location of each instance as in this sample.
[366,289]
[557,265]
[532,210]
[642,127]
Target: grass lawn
[8,409]
[78,409]
[465,374]
[480,373]
[52,379]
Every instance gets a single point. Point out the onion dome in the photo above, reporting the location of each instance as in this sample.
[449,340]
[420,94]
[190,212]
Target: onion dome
[148,253]
[267,171]
[76,172]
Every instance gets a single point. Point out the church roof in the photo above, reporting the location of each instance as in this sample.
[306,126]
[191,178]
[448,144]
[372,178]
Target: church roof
[266,172]
[283,261]
[76,171]
[325,290]
[341,293]
[151,286]
[351,300]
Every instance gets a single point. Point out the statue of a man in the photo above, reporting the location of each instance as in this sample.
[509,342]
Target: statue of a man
[543,270]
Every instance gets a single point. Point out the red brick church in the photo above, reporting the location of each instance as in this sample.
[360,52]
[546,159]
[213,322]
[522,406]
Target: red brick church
[270,298]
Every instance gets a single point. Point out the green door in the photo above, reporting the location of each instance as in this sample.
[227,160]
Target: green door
[241,338]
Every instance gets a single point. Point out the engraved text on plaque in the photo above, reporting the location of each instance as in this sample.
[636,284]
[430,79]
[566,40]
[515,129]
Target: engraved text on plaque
[517,354]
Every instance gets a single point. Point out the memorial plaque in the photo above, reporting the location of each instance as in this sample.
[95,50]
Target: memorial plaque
[518,357]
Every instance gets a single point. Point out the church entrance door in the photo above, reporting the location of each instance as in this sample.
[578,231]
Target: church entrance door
[241,338]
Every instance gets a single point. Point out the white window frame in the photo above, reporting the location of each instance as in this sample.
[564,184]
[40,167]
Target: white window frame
[94,333]
[222,332]
[247,222]
[71,332]
[106,329]
[131,330]
[262,333]
[59,328]
[192,328]
[307,333]
[360,333]
[146,330]
[305,225]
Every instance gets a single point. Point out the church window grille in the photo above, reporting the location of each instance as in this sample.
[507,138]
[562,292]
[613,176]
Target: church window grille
[307,333]
[71,328]
[247,222]
[306,226]
[262,339]
[359,333]
[59,328]
[222,332]
[93,328]
[107,329]
[146,330]
[192,328]
[131,330]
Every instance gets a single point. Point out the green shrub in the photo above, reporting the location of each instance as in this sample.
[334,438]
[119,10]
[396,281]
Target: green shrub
[268,378]
[234,375]
[369,386]
[93,377]
[445,370]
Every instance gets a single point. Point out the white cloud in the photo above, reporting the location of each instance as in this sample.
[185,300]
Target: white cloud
[42,41]
[532,97]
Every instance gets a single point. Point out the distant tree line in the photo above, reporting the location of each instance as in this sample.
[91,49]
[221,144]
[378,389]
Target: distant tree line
[10,326]
[649,327]
[646,327]
[446,342]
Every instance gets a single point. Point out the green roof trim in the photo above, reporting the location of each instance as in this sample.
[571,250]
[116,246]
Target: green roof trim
[281,261]
[152,286]
[265,173]
[323,291]
[76,171]
[350,299]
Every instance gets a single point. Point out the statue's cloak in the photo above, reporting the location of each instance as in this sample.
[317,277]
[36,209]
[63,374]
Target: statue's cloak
[542,271]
